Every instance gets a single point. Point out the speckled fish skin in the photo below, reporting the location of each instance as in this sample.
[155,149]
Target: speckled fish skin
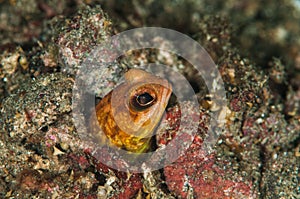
[129,114]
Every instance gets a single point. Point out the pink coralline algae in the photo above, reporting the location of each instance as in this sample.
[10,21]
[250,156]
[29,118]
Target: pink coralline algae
[201,175]
[197,175]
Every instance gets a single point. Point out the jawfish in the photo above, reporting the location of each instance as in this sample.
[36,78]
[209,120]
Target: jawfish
[129,114]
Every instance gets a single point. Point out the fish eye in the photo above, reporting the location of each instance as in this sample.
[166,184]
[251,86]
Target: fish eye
[143,100]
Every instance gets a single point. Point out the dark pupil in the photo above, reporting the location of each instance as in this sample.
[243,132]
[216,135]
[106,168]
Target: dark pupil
[144,99]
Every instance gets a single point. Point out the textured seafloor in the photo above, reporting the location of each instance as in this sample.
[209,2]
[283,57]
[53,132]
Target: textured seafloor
[255,45]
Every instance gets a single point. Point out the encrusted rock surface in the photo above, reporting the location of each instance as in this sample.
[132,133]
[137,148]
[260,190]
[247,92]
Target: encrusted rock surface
[258,154]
